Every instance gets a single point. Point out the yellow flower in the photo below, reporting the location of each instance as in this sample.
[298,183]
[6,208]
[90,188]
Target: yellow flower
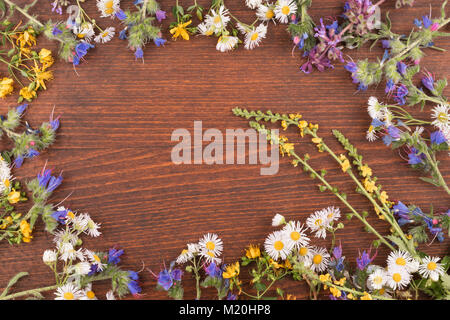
[290,297]
[26,38]
[45,57]
[27,94]
[231,271]
[383,197]
[252,252]
[7,222]
[284,124]
[286,148]
[26,231]
[293,116]
[275,264]
[325,278]
[6,87]
[369,185]
[335,292]
[42,76]
[366,171]
[318,142]
[350,296]
[345,164]
[180,30]
[340,282]
[287,264]
[302,125]
[313,126]
[366,296]
[14,196]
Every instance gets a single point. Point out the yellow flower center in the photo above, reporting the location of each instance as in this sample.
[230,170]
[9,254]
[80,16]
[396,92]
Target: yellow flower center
[70,215]
[378,280]
[285,10]
[318,222]
[80,35]
[269,14]
[400,261]
[442,117]
[109,4]
[210,245]
[278,245]
[303,251]
[217,19]
[210,253]
[96,258]
[317,259]
[109,11]
[184,251]
[431,265]
[90,294]
[295,235]
[68,296]
[105,34]
[254,36]
[397,277]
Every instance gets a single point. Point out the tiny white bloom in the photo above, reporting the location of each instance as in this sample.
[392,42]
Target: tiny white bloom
[184,256]
[81,268]
[331,214]
[108,8]
[211,242]
[110,295]
[106,35]
[374,108]
[5,176]
[49,256]
[254,36]
[277,246]
[68,292]
[402,260]
[283,9]
[278,220]
[88,294]
[94,259]
[430,268]
[305,255]
[398,278]
[319,259]
[370,134]
[265,12]
[253,4]
[92,227]
[219,20]
[226,43]
[62,236]
[441,116]
[85,31]
[295,235]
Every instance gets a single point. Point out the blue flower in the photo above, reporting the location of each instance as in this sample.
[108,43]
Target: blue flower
[160,15]
[385,56]
[418,23]
[18,161]
[49,182]
[60,216]
[386,44]
[390,86]
[364,260]
[56,31]
[401,67]
[114,255]
[94,269]
[415,157]
[21,109]
[32,153]
[81,50]
[437,137]
[167,277]
[426,22]
[402,92]
[123,34]
[139,53]
[213,271]
[400,209]
[231,296]
[377,123]
[428,82]
[133,285]
[159,41]
[121,15]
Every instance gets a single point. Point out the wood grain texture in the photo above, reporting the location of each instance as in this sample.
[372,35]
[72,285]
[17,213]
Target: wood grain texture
[114,146]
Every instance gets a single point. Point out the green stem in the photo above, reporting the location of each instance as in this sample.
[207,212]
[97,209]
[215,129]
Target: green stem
[28,292]
[22,11]
[433,163]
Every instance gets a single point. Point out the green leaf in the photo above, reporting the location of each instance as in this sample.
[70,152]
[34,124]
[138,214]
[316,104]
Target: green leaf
[12,282]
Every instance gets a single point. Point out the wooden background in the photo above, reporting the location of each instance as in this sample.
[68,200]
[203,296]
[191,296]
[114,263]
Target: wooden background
[114,146]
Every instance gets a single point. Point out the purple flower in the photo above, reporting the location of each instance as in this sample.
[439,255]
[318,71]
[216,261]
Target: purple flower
[401,67]
[390,86]
[60,216]
[160,15]
[400,209]
[213,270]
[428,81]
[47,181]
[123,34]
[21,109]
[32,153]
[386,44]
[121,15]
[437,137]
[133,285]
[114,255]
[426,22]
[231,296]
[360,13]
[167,277]
[159,41]
[364,259]
[56,31]
[18,161]
[402,92]
[317,59]
[81,50]
[139,53]
[394,132]
[415,157]
[94,269]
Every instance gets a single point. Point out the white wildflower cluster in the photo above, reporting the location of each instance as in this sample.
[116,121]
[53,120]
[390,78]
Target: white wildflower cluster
[209,248]
[293,239]
[400,270]
[5,176]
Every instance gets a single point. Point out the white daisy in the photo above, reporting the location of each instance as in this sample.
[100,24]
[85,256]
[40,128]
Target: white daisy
[62,236]
[253,4]
[277,246]
[295,235]
[210,256]
[79,223]
[49,257]
[68,292]
[265,12]
[184,256]
[5,176]
[205,29]
[92,227]
[331,214]
[398,278]
[85,31]
[108,8]
[371,134]
[377,279]
[317,222]
[88,294]
[67,252]
[430,268]
[283,9]
[278,220]
[211,243]
[254,36]
[94,259]
[218,20]
[80,269]
[402,260]
[305,255]
[106,35]
[319,259]
[374,108]
[226,43]
[441,116]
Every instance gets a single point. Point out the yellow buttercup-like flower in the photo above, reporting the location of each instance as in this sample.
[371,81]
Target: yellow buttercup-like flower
[286,148]
[366,296]
[366,171]
[335,292]
[340,282]
[42,76]
[252,252]
[369,185]
[6,222]
[27,94]
[180,30]
[383,197]
[302,125]
[46,58]
[14,196]
[26,38]
[345,164]
[26,231]
[284,125]
[231,271]
[6,87]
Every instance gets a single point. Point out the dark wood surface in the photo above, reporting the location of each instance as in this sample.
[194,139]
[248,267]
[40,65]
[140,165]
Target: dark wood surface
[114,146]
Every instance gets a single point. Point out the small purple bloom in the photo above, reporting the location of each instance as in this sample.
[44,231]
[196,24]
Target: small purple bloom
[18,161]
[426,22]
[400,208]
[60,216]
[114,255]
[56,31]
[94,269]
[121,15]
[390,86]
[21,109]
[160,15]
[414,157]
[32,153]
[386,44]
[139,53]
[166,278]
[437,137]
[231,296]
[401,67]
[428,81]
[159,41]
[364,260]
[402,92]
[213,270]
[123,34]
